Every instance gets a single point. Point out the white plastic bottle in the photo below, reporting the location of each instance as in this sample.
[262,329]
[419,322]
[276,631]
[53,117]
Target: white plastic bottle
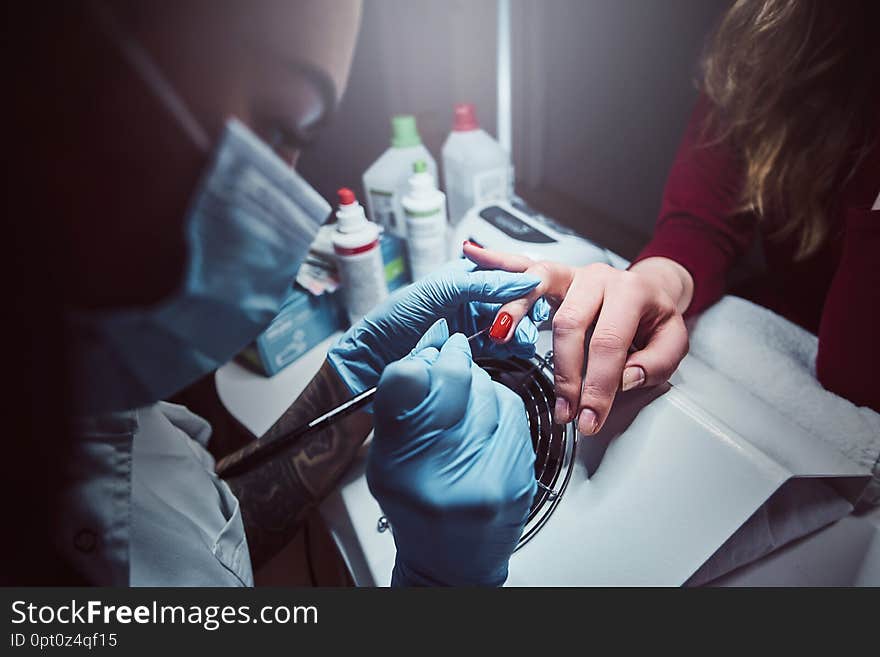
[359,257]
[425,209]
[476,168]
[385,182]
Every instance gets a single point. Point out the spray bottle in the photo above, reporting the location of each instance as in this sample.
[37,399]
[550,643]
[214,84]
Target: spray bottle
[425,209]
[359,257]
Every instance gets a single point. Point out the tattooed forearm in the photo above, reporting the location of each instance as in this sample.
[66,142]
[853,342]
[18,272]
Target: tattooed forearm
[276,495]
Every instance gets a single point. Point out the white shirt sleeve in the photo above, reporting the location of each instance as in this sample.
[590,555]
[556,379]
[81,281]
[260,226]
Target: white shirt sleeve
[141,505]
[186,525]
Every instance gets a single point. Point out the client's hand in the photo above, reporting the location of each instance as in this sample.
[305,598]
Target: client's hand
[467,299]
[640,307]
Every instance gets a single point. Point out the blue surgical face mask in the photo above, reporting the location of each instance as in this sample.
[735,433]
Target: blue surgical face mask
[249,226]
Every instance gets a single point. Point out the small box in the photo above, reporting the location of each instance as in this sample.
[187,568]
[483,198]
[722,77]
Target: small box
[303,321]
[396,265]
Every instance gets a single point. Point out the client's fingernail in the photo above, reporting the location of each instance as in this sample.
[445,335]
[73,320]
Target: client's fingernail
[587,422]
[500,326]
[469,243]
[560,412]
[633,377]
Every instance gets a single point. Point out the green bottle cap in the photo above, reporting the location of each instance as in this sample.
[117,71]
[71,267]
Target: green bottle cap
[420,166]
[404,132]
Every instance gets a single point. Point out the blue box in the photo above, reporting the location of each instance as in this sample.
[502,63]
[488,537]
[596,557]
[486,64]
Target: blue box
[305,320]
[396,264]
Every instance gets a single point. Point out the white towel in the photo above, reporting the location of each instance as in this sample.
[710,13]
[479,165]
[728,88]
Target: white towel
[776,360]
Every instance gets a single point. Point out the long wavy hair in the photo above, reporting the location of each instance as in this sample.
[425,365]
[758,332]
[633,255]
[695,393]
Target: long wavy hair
[793,86]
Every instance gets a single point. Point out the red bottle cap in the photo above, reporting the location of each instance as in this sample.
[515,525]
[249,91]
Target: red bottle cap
[346,196]
[465,117]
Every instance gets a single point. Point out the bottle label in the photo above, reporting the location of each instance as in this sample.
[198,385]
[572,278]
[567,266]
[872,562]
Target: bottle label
[414,214]
[491,185]
[426,241]
[382,204]
[362,275]
[340,250]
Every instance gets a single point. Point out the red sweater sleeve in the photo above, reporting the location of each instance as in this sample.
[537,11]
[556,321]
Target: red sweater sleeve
[849,352]
[697,226]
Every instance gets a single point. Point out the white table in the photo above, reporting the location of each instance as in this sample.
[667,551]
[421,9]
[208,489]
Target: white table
[257,401]
[845,553]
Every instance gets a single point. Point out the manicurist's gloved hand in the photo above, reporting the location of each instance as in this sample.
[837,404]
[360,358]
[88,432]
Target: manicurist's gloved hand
[467,299]
[451,465]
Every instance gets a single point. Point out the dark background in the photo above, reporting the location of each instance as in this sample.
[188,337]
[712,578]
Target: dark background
[602,90]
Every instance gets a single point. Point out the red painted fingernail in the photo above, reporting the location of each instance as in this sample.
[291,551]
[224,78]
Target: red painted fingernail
[469,243]
[500,326]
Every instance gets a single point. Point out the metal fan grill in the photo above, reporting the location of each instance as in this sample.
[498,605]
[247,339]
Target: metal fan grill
[554,444]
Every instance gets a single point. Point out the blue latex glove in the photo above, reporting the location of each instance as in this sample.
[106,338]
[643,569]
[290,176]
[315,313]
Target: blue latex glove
[466,298]
[451,465]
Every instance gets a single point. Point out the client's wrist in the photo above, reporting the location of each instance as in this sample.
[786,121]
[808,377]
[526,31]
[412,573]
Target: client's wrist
[675,280]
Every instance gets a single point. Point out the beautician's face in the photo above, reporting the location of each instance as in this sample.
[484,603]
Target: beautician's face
[124,177]
[247,59]
[318,33]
